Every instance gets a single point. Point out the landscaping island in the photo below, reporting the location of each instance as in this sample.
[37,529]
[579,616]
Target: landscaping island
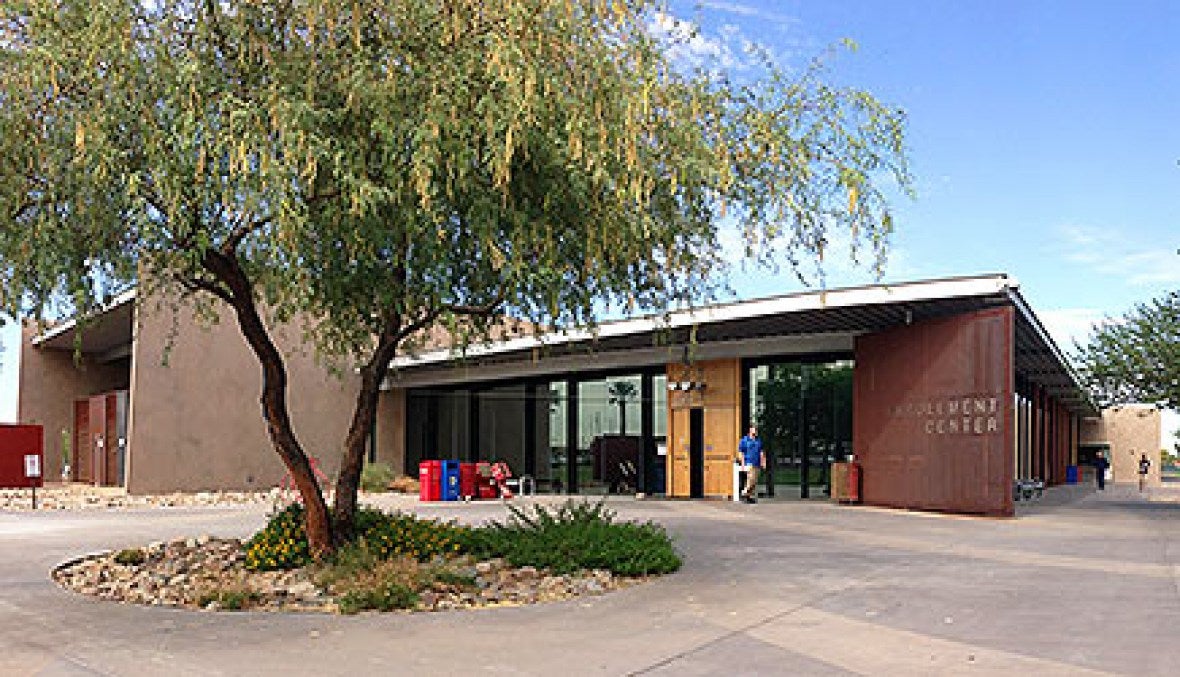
[397,562]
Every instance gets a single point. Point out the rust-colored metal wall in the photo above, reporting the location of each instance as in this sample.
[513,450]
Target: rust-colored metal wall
[933,414]
[16,442]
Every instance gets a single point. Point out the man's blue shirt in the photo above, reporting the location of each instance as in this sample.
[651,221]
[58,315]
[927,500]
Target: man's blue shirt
[751,449]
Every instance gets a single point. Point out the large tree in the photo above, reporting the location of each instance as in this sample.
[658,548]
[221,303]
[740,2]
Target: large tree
[377,169]
[1136,357]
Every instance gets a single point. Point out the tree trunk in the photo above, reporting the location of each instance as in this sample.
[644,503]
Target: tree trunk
[365,412]
[240,297]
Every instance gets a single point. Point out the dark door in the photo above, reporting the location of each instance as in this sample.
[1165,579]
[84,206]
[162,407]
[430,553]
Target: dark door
[696,453]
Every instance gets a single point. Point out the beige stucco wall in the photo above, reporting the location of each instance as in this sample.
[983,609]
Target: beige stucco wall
[49,382]
[391,430]
[1129,431]
[196,423]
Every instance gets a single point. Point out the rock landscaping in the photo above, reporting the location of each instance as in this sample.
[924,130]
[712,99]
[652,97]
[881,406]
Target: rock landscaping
[210,574]
[96,498]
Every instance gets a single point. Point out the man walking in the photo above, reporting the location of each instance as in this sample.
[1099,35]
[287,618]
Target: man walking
[750,450]
[1144,468]
[1100,466]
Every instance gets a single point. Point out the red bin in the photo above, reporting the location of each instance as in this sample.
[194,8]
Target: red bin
[430,481]
[854,483]
[467,481]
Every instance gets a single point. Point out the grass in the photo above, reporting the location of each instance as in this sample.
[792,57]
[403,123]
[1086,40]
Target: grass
[130,557]
[230,598]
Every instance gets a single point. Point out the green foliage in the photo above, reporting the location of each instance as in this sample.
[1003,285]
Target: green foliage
[385,596]
[376,477]
[381,168]
[282,543]
[1136,357]
[577,536]
[230,598]
[130,557]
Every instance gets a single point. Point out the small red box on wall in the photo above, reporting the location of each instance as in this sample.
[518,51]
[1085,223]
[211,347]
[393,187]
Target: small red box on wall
[19,446]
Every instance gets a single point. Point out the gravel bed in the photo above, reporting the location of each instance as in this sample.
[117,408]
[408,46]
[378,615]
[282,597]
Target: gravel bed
[182,573]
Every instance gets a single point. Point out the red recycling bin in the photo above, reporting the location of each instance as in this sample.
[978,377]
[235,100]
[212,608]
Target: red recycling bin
[467,481]
[854,483]
[487,485]
[430,481]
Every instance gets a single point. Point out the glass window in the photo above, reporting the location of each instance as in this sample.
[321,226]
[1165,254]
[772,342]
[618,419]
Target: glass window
[501,427]
[803,413]
[610,440]
[552,455]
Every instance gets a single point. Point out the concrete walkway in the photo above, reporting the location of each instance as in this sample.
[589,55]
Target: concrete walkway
[1071,588]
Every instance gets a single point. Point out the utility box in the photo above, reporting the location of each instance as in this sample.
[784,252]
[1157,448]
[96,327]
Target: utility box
[22,456]
[430,481]
[450,480]
[467,481]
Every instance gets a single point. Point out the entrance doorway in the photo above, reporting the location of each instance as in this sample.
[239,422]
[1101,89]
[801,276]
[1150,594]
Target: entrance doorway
[696,453]
[803,412]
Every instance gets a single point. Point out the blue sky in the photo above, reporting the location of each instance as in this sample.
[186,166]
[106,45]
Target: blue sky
[1044,138]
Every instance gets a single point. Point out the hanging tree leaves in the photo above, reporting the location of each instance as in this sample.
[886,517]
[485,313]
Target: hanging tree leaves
[378,169]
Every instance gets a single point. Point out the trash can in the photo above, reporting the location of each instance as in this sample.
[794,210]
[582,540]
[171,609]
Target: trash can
[854,475]
[739,481]
[1071,474]
[430,481]
[450,480]
[467,484]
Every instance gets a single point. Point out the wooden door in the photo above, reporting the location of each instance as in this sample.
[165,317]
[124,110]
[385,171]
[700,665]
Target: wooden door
[81,459]
[97,439]
[678,453]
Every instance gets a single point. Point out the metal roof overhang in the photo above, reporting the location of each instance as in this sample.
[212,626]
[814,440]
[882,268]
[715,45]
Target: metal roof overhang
[104,336]
[794,324]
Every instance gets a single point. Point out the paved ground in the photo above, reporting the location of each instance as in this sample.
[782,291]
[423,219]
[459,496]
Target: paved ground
[1084,587]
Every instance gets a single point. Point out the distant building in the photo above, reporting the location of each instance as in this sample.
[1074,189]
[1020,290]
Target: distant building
[946,391]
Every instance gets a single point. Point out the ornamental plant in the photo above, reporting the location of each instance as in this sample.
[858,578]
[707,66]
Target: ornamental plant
[380,171]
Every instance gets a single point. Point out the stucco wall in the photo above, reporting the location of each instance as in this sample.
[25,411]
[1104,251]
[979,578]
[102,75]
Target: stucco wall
[1129,431]
[50,381]
[196,423]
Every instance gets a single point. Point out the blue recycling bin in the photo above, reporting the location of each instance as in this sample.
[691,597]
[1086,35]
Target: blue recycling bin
[1071,474]
[450,480]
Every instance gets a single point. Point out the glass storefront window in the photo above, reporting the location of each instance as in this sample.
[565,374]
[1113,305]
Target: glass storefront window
[610,442]
[803,412]
[553,455]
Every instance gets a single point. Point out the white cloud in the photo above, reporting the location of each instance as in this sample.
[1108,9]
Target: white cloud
[1117,253]
[1067,325]
[690,48]
[749,11]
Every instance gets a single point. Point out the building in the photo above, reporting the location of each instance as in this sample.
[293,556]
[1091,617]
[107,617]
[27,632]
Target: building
[158,402]
[946,391]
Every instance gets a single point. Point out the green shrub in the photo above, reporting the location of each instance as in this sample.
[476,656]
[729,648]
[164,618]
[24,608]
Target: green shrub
[229,598]
[386,596]
[130,557]
[282,543]
[576,536]
[376,477]
[402,535]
